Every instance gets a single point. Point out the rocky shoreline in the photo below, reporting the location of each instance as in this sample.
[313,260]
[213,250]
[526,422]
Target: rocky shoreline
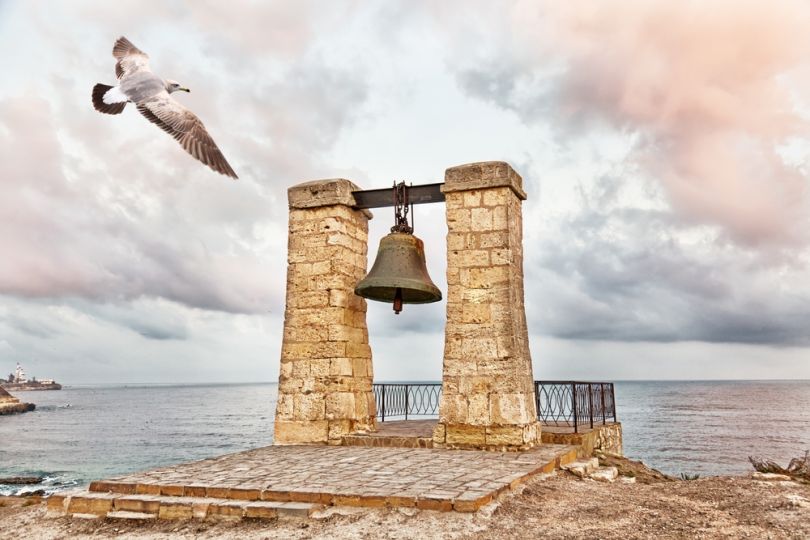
[11,405]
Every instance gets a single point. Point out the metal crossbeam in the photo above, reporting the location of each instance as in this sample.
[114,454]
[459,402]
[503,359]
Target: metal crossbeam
[379,198]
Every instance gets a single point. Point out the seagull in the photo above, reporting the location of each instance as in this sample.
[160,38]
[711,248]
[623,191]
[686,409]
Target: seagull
[151,96]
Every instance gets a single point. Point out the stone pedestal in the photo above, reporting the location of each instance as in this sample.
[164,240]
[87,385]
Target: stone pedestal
[325,378]
[487,384]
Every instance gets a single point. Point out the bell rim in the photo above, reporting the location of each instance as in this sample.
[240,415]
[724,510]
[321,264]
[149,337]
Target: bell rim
[432,289]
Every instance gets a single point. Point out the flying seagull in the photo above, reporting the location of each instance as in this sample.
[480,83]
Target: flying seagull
[151,96]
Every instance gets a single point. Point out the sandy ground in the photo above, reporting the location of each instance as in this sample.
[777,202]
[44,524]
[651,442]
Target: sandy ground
[556,506]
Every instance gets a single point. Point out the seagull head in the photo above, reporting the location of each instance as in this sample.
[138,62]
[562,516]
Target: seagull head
[174,86]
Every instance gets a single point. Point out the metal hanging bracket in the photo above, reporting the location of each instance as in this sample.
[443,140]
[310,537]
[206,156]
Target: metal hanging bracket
[381,198]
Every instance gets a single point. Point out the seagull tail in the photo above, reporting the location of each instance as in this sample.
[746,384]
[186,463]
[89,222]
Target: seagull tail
[105,106]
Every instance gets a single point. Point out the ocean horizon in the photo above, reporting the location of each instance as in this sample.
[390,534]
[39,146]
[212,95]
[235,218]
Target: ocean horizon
[92,431]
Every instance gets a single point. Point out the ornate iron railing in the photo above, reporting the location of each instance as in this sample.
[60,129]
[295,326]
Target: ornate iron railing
[559,403]
[398,400]
[575,403]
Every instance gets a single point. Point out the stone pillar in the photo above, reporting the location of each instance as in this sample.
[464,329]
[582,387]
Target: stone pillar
[326,376]
[487,384]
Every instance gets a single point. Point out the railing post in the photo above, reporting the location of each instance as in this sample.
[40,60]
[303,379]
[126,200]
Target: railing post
[602,395]
[407,387]
[537,398]
[613,401]
[574,400]
[590,403]
[383,403]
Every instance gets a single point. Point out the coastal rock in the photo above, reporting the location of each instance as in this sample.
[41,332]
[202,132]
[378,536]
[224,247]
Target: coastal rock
[770,477]
[582,468]
[21,480]
[11,405]
[605,474]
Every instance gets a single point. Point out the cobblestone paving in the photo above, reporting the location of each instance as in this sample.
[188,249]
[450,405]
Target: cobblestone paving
[357,476]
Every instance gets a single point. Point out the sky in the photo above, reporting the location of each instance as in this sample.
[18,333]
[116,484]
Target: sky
[663,146]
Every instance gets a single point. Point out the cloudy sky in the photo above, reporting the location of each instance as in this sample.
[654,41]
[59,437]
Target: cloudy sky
[663,145]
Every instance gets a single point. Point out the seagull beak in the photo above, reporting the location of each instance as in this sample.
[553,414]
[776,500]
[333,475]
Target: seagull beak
[185,90]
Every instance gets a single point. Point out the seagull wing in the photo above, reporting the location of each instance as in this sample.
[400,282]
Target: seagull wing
[130,58]
[187,129]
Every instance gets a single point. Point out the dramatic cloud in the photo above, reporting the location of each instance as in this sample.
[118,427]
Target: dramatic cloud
[709,92]
[677,205]
[612,271]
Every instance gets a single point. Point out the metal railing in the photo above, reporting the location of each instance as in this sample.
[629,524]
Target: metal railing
[574,403]
[559,403]
[394,400]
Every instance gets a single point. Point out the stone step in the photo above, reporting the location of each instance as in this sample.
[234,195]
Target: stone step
[142,507]
[387,441]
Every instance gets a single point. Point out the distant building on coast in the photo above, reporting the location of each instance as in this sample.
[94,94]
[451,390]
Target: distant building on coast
[19,381]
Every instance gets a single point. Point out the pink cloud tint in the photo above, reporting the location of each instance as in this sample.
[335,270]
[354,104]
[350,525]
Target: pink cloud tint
[709,90]
[707,85]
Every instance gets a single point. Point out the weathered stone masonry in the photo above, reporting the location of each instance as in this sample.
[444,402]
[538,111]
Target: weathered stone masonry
[487,383]
[325,380]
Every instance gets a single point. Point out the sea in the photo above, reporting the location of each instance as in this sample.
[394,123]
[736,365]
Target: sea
[83,433]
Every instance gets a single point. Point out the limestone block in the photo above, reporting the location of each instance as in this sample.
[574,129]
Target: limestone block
[509,409]
[581,468]
[471,384]
[500,218]
[358,350]
[341,366]
[472,198]
[439,434]
[320,367]
[484,278]
[480,347]
[532,433]
[481,219]
[460,220]
[309,406]
[301,432]
[341,332]
[339,428]
[320,193]
[361,367]
[498,239]
[475,313]
[478,409]
[504,436]
[284,407]
[340,405]
[465,435]
[496,197]
[453,408]
[467,258]
[500,256]
[338,298]
[605,474]
[482,175]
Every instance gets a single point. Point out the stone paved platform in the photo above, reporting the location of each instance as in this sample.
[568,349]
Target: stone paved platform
[461,480]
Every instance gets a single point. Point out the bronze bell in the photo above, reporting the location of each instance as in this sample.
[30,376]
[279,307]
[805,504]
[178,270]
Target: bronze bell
[399,273]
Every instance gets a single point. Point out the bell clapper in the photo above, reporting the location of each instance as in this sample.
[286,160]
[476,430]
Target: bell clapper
[398,301]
